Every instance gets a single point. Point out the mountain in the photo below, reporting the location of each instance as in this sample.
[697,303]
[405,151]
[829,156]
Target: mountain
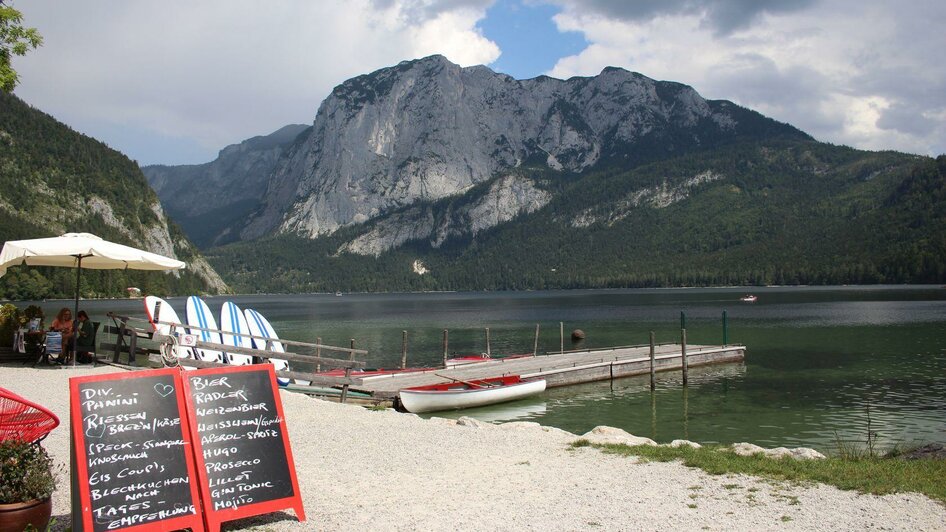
[209,199]
[429,129]
[54,180]
[429,176]
[778,211]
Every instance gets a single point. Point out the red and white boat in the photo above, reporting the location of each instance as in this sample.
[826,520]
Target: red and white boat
[467,394]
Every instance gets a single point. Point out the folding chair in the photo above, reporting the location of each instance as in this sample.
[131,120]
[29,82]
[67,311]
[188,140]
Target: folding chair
[53,348]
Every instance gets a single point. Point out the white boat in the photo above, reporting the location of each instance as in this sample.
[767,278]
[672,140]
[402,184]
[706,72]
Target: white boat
[467,394]
[749,298]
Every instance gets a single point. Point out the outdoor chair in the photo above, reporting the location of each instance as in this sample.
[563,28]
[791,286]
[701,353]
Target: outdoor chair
[53,348]
[24,420]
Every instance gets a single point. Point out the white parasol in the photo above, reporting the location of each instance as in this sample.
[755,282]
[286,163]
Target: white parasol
[81,250]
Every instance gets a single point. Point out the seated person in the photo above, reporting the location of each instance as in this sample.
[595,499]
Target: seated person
[63,324]
[85,338]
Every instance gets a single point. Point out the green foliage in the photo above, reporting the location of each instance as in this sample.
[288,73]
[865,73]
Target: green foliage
[14,40]
[10,321]
[782,211]
[54,180]
[26,472]
[875,475]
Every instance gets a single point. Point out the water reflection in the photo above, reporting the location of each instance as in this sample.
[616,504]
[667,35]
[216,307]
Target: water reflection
[524,410]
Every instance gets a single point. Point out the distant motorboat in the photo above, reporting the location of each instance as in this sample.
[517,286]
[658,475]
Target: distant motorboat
[338,294]
[749,298]
[466,394]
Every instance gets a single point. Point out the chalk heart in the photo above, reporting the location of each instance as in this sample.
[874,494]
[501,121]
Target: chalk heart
[163,390]
[96,431]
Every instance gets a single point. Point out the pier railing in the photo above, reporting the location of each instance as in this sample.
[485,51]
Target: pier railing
[129,330]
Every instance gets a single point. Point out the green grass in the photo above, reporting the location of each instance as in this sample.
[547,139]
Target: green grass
[865,474]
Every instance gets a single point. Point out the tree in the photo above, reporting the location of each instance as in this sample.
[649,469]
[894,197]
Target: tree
[14,40]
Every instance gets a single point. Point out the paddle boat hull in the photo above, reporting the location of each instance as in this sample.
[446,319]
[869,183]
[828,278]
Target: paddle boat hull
[458,395]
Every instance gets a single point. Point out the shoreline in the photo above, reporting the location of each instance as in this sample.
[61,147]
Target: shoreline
[551,290]
[360,468]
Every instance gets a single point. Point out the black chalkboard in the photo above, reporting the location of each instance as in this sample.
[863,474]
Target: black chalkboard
[243,454]
[133,455]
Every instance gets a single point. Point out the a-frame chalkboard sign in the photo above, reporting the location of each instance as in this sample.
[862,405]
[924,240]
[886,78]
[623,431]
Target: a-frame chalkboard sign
[133,457]
[244,461]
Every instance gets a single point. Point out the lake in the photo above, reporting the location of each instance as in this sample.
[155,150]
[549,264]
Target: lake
[822,363]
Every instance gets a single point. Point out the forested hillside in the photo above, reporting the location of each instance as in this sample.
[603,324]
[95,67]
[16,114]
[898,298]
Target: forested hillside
[54,180]
[767,212]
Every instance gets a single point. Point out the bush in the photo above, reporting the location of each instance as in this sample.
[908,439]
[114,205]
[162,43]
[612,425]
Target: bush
[26,472]
[9,323]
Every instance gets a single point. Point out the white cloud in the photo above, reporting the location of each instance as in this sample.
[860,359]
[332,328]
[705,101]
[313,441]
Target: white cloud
[864,73]
[219,71]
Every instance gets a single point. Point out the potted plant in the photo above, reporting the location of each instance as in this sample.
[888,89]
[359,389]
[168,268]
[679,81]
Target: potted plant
[27,482]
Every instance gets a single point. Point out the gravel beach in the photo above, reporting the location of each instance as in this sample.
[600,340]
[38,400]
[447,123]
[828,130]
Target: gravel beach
[361,469]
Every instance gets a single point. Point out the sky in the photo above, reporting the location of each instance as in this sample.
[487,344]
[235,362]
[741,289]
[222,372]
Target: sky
[174,81]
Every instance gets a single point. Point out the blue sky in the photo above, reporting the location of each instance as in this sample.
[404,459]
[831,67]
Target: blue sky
[531,44]
[175,83]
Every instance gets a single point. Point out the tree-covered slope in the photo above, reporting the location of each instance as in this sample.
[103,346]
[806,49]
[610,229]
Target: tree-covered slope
[767,212]
[54,180]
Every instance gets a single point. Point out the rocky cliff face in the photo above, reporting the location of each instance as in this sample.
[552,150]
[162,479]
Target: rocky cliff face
[209,200]
[428,129]
[502,201]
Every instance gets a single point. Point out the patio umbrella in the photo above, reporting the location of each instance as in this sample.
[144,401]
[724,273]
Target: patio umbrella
[81,250]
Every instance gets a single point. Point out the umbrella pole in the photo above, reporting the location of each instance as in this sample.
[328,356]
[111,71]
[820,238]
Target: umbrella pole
[75,315]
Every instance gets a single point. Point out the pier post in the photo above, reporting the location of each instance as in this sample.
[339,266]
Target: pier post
[725,330]
[683,355]
[488,352]
[683,320]
[561,335]
[445,344]
[535,345]
[318,353]
[653,371]
[403,349]
[351,356]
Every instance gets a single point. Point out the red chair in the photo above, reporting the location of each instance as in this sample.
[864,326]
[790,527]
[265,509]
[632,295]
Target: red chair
[24,420]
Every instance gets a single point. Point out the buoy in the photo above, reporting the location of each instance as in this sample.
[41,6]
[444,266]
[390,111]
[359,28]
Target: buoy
[578,334]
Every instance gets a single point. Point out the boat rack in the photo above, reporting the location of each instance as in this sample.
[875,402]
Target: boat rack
[129,330]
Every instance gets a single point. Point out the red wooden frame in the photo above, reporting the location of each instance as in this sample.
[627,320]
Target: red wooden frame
[213,518]
[194,522]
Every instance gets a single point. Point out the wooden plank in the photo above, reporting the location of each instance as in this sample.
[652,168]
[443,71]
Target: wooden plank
[104,346]
[595,365]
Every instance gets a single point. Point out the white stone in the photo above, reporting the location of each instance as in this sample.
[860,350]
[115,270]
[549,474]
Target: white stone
[604,435]
[681,443]
[805,453]
[747,449]
[472,423]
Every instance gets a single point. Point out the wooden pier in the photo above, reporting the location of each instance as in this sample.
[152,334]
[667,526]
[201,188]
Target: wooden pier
[558,369]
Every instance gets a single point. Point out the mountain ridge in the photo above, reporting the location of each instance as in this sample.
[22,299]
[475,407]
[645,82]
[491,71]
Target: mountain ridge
[431,176]
[427,129]
[208,198]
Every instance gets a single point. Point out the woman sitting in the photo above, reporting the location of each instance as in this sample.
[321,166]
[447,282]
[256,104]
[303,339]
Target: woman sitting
[63,324]
[85,338]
